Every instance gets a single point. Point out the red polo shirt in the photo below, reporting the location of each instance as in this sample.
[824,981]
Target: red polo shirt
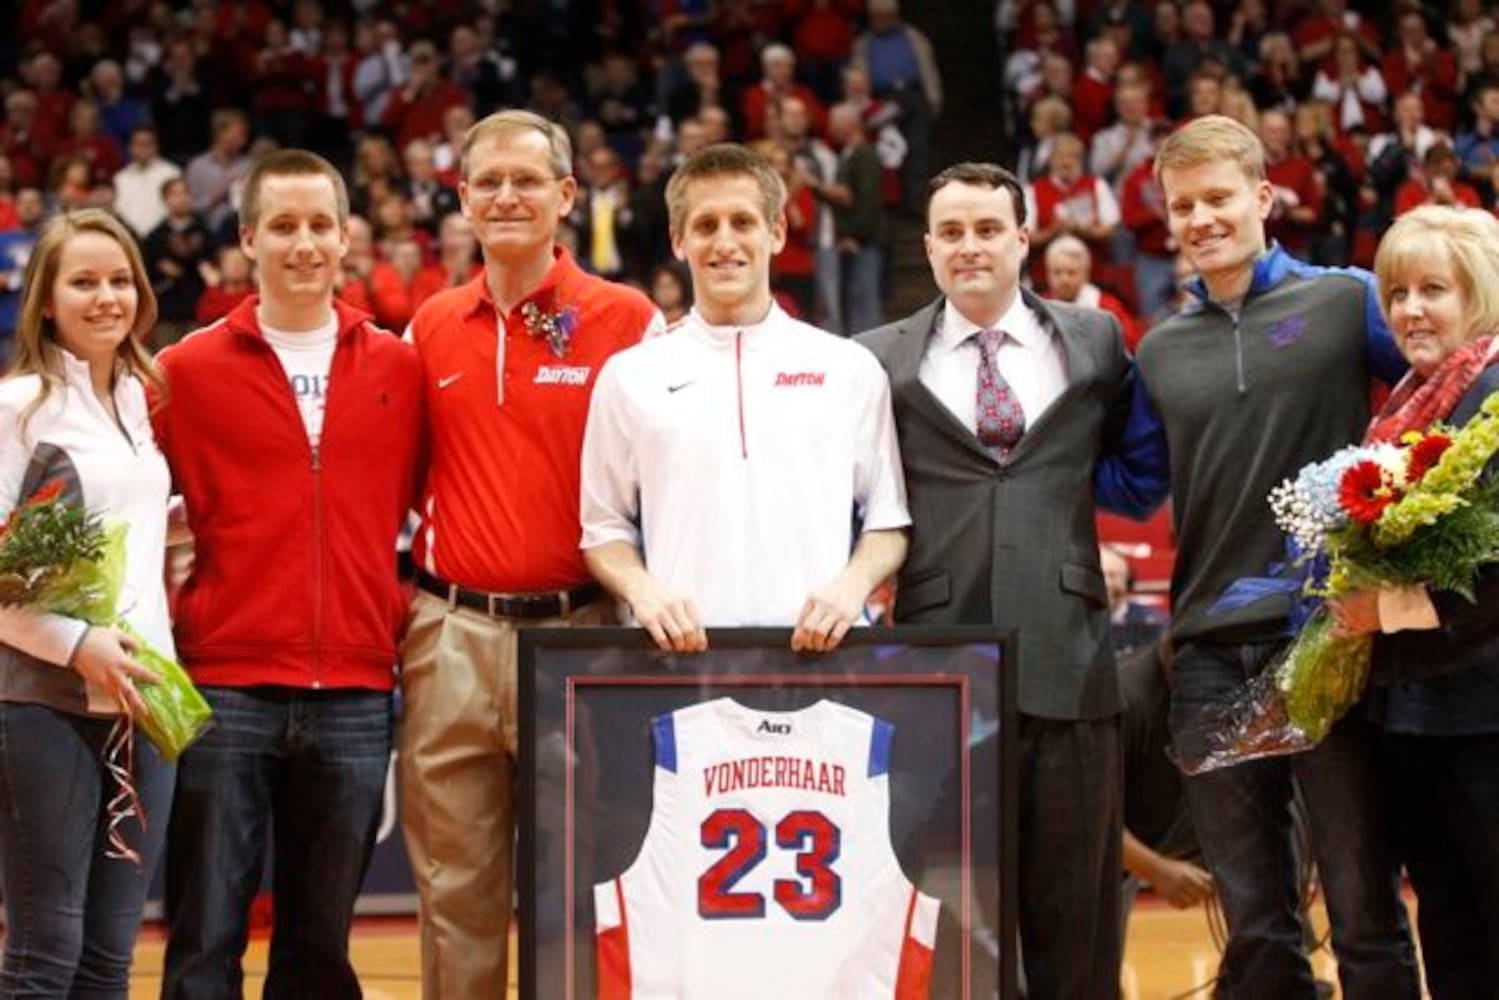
[500,508]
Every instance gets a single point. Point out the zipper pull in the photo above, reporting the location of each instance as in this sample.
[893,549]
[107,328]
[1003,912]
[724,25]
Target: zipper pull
[317,461]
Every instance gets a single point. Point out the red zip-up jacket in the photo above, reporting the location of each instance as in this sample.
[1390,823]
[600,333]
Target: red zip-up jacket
[294,576]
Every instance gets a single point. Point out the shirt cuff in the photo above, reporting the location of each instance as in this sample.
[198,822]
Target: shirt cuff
[1406,609]
[48,637]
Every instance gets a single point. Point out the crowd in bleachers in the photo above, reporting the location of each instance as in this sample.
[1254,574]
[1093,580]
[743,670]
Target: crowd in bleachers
[1365,109]
[156,109]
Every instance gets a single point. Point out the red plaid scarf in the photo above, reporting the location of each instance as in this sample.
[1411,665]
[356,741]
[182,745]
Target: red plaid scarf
[1417,403]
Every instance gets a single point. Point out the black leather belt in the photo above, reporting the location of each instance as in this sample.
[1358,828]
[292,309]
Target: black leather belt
[546,604]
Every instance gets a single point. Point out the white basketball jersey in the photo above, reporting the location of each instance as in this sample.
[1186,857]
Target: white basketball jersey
[767,870]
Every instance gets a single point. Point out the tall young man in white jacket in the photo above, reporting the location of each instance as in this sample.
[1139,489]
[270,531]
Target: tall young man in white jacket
[725,464]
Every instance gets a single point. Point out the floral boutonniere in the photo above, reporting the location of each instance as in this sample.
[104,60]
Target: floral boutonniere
[545,318]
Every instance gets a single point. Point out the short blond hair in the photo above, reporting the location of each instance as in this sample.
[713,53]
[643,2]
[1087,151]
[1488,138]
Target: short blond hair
[517,120]
[726,159]
[1466,238]
[1211,139]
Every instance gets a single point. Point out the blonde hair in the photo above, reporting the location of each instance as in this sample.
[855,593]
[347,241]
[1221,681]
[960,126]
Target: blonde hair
[1210,139]
[516,120]
[1466,238]
[36,346]
[724,160]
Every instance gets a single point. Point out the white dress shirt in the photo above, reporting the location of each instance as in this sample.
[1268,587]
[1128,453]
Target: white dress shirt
[1030,359]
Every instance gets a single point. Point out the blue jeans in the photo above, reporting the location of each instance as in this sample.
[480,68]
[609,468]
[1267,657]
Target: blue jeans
[72,913]
[306,768]
[1243,819]
[863,300]
[829,290]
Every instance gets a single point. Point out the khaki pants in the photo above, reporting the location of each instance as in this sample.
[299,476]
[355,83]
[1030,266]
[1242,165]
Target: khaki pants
[457,744]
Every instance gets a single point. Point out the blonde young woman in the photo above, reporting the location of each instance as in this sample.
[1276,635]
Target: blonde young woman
[1438,653]
[73,413]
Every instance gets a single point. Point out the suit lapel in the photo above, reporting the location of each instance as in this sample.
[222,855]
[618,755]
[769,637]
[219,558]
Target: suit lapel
[906,384]
[1081,364]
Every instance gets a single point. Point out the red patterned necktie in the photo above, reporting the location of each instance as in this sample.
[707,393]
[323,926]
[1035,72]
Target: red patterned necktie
[1000,421]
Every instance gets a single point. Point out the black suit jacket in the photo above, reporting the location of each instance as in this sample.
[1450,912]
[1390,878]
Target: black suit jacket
[1015,545]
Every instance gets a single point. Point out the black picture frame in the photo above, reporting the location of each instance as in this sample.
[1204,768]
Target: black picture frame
[587,697]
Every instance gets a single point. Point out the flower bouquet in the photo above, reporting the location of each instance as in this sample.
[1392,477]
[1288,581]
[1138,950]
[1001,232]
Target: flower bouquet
[1418,513]
[56,557]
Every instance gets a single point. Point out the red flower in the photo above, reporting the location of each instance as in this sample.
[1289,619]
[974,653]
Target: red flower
[45,495]
[1424,455]
[1363,492]
[40,498]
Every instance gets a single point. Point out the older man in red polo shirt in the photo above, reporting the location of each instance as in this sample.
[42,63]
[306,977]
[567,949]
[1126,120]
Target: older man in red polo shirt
[510,360]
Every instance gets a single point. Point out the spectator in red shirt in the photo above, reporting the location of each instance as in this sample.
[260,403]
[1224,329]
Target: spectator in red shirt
[19,141]
[53,101]
[1069,268]
[1416,64]
[371,284]
[823,36]
[415,111]
[1317,33]
[1296,212]
[87,142]
[1436,183]
[778,81]
[457,260]
[1142,212]
[1354,87]
[1339,163]
[1069,200]
[289,90]
[225,285]
[1093,93]
[394,219]
[794,270]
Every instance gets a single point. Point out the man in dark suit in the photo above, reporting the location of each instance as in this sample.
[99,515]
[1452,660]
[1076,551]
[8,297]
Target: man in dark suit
[1009,410]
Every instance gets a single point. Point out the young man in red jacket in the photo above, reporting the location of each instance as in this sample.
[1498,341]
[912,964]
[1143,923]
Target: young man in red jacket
[293,429]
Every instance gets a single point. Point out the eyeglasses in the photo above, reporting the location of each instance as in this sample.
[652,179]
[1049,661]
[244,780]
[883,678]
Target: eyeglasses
[525,185]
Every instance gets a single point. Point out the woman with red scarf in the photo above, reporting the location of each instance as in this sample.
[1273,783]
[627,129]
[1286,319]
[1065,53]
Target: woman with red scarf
[1436,654]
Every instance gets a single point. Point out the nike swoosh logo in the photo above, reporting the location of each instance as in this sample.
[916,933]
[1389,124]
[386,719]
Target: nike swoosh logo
[448,380]
[680,385]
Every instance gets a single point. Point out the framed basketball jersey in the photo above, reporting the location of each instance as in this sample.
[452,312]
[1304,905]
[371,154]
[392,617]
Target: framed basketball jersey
[755,823]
